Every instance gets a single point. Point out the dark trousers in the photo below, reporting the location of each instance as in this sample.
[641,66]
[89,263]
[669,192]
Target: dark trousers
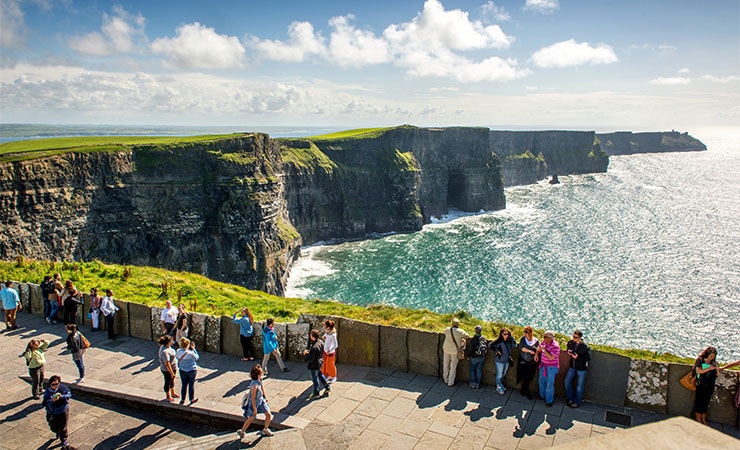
[69,315]
[37,379]
[188,384]
[526,372]
[169,382]
[246,346]
[58,425]
[318,380]
[109,325]
[47,308]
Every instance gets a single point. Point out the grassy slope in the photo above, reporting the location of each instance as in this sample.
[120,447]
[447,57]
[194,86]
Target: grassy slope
[348,133]
[144,285]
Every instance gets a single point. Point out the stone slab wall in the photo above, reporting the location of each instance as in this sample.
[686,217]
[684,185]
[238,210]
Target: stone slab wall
[197,330]
[606,381]
[36,299]
[139,320]
[257,340]
[680,399]
[281,331]
[358,343]
[230,344]
[422,352]
[721,407]
[213,334]
[297,340]
[156,322]
[393,352]
[647,386]
[25,296]
[121,319]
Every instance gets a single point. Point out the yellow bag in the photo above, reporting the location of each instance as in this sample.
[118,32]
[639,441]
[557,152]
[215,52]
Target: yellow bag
[689,381]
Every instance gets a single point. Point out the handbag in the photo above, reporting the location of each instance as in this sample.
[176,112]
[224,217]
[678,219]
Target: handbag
[460,350]
[85,342]
[689,381]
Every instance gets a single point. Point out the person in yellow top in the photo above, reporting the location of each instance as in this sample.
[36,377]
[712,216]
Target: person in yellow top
[35,361]
[455,339]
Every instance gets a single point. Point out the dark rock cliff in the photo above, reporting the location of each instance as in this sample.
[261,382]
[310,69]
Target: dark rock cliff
[628,143]
[212,208]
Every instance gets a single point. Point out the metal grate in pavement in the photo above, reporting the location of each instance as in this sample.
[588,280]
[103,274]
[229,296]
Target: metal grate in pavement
[618,418]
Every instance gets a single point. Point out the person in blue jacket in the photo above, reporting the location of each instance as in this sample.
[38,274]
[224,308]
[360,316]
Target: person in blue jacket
[56,402]
[270,346]
[246,333]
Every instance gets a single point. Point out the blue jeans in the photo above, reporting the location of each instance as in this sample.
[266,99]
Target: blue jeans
[476,370]
[47,308]
[572,373]
[318,377]
[80,367]
[501,369]
[54,309]
[547,383]
[188,383]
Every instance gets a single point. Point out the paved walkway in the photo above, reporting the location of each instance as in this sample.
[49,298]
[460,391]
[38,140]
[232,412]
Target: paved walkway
[369,408]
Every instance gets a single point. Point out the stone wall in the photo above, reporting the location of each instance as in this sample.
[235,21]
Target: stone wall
[612,379]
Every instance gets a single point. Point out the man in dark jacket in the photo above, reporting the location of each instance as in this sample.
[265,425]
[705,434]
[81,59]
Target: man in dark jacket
[56,401]
[315,360]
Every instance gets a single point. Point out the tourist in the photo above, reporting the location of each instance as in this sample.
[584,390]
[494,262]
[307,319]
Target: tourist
[527,366]
[168,319]
[548,354]
[108,308]
[707,370]
[95,302]
[476,350]
[11,305]
[270,346]
[187,356]
[580,355]
[55,298]
[502,348]
[454,350]
[35,361]
[329,367]
[71,298]
[46,290]
[168,366]
[254,402]
[181,324]
[314,361]
[77,344]
[56,401]
[246,333]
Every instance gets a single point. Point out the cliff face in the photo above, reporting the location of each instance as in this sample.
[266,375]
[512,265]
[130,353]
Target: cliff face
[628,143]
[211,208]
[232,209]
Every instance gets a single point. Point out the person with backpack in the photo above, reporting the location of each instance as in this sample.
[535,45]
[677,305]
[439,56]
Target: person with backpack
[35,361]
[477,348]
[255,401]
[580,355]
[502,347]
[527,366]
[46,290]
[77,344]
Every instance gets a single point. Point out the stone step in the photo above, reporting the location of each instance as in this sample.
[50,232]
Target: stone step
[285,440]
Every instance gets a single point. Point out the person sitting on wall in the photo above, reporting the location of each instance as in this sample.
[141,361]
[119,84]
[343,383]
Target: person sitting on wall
[168,319]
[580,355]
[548,355]
[108,308]
[329,368]
[453,349]
[95,301]
[11,305]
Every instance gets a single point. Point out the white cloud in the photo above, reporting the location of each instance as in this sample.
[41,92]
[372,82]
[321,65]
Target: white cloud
[492,12]
[670,81]
[120,33]
[12,26]
[684,70]
[571,53]
[716,79]
[349,46]
[541,6]
[199,46]
[303,43]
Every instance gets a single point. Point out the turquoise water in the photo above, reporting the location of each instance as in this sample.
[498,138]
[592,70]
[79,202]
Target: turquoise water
[643,256]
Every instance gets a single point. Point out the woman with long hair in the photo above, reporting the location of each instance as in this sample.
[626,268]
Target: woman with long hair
[246,332]
[168,366]
[35,361]
[329,368]
[254,402]
[187,356]
[76,346]
[527,367]
[707,370]
[502,348]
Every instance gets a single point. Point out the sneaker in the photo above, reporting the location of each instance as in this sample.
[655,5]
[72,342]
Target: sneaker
[266,432]
[193,401]
[285,369]
[548,404]
[240,433]
[326,391]
[313,396]
[36,396]
[182,402]
[47,320]
[472,385]
[500,390]
[80,380]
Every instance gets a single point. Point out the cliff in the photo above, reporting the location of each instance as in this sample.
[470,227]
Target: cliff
[238,208]
[213,208]
[628,143]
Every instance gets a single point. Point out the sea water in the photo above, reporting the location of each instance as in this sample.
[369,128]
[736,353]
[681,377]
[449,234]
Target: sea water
[643,256]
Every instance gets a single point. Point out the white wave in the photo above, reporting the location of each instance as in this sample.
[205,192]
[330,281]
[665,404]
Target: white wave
[306,268]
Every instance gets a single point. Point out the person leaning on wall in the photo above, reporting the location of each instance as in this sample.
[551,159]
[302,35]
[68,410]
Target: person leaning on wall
[454,350]
[579,355]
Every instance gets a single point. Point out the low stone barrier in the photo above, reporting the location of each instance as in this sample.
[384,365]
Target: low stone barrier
[230,344]
[25,296]
[155,322]
[358,343]
[393,352]
[422,352]
[647,386]
[606,380]
[36,301]
[297,340]
[197,330]
[139,321]
[213,334]
[121,319]
[257,340]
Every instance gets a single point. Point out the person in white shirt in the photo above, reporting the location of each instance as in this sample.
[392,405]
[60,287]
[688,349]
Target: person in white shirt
[108,308]
[328,368]
[168,319]
[454,343]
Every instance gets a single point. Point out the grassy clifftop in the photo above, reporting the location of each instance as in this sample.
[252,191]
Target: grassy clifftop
[153,286]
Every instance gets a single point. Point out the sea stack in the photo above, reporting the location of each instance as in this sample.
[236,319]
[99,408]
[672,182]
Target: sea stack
[554,179]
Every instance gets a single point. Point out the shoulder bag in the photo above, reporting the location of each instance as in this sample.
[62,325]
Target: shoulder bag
[689,381]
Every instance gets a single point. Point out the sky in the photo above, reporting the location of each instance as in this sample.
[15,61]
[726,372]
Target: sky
[533,64]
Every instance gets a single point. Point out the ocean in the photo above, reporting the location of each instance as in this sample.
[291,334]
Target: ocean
[643,256]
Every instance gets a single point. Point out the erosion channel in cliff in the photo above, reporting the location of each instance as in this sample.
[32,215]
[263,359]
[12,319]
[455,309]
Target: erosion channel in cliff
[238,208]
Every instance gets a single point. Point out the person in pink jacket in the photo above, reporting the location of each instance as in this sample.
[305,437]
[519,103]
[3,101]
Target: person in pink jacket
[548,355]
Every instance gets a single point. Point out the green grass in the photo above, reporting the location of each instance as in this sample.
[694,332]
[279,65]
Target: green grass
[145,285]
[308,158]
[359,132]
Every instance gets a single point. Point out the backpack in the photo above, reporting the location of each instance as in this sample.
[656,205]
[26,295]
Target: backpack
[46,289]
[481,349]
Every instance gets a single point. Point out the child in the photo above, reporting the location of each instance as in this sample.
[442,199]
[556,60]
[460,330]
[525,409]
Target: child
[329,369]
[255,401]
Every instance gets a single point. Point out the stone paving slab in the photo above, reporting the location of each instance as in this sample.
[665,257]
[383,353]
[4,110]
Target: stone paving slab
[368,407]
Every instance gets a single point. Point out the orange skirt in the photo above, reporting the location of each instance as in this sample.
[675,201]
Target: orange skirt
[328,368]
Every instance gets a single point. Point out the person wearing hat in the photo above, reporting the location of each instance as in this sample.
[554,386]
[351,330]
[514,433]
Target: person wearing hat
[548,355]
[476,351]
[454,345]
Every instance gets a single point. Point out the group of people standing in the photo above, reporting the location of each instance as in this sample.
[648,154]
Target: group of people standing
[534,356]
